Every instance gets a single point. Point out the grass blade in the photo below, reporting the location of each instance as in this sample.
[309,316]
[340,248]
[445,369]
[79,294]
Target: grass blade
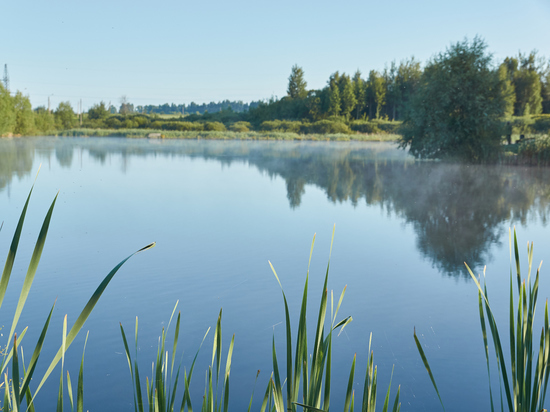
[426,364]
[79,323]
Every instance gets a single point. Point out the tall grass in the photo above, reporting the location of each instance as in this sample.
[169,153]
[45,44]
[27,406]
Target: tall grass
[315,372]
[17,389]
[523,374]
[161,388]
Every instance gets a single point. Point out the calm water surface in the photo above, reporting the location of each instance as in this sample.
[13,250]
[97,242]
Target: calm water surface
[220,210]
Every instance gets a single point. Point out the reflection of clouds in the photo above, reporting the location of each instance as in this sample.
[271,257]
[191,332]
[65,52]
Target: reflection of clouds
[456,211]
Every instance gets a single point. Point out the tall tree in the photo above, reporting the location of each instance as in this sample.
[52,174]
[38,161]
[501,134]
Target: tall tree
[65,116]
[408,79]
[376,94]
[24,116]
[347,97]
[359,91]
[296,83]
[456,87]
[7,112]
[508,91]
[545,89]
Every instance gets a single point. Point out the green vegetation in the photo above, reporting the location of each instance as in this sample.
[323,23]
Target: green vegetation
[461,106]
[457,109]
[17,390]
[525,377]
[229,135]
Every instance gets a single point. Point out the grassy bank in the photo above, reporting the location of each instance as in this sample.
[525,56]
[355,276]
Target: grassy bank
[227,135]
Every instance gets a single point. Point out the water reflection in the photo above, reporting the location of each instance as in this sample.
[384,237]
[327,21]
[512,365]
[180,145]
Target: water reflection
[456,211]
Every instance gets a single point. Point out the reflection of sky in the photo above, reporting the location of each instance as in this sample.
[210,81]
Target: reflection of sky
[216,225]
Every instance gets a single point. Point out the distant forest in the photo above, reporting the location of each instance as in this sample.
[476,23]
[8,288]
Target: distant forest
[194,108]
[375,103]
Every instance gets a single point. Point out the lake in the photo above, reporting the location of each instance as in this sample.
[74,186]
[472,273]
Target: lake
[220,210]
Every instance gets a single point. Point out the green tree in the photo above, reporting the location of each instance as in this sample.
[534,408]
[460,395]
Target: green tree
[44,121]
[457,109]
[296,83]
[527,86]
[359,91]
[408,79]
[98,111]
[334,103]
[545,89]
[24,116]
[507,89]
[376,94]
[65,117]
[7,112]
[347,99]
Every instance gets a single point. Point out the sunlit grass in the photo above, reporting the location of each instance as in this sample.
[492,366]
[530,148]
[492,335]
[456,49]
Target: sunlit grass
[523,374]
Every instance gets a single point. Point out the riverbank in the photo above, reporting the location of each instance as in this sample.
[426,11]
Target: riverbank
[227,135]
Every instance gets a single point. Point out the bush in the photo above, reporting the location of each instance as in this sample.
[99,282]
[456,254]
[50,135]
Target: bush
[364,126]
[214,126]
[326,126]
[113,123]
[240,127]
[281,126]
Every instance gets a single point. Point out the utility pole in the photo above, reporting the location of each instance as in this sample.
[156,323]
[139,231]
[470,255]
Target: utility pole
[6,78]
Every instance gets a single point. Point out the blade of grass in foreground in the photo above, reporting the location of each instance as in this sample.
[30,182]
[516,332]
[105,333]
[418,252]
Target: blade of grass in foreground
[79,323]
[426,364]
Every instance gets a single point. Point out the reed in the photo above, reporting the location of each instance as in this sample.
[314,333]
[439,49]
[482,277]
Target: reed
[17,390]
[523,375]
[161,388]
[314,372]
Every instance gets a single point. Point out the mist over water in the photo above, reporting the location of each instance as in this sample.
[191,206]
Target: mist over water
[219,210]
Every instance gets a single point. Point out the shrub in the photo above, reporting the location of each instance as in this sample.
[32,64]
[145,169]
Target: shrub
[240,127]
[214,126]
[327,126]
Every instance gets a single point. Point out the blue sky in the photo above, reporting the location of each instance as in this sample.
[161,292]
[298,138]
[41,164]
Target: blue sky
[202,51]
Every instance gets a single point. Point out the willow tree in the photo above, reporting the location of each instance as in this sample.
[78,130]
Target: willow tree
[456,111]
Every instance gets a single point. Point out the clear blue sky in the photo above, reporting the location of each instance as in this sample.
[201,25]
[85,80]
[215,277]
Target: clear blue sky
[202,51]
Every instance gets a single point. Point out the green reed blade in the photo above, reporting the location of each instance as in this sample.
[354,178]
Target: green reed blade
[14,405]
[33,266]
[63,347]
[79,323]
[290,386]
[176,337]
[268,391]
[277,389]
[34,358]
[70,390]
[27,393]
[217,348]
[80,384]
[516,253]
[496,338]
[8,266]
[7,400]
[349,391]
[352,406]
[396,403]
[15,373]
[485,346]
[253,388]
[311,408]
[387,399]
[427,365]
[328,371]
[339,303]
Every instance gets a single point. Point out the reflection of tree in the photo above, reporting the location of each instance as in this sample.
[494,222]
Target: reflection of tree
[64,155]
[16,158]
[456,211]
